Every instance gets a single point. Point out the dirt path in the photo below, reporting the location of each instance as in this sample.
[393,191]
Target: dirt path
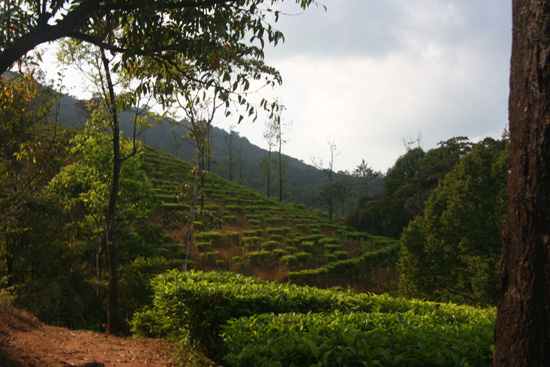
[25,342]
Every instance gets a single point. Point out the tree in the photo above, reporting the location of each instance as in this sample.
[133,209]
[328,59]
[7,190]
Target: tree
[270,137]
[84,185]
[199,125]
[282,161]
[451,252]
[365,175]
[522,332]
[230,141]
[326,196]
[342,191]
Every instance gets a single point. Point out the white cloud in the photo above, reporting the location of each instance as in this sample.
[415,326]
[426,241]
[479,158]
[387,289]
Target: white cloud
[370,73]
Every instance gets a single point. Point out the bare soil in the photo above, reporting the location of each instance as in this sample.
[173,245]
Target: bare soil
[26,342]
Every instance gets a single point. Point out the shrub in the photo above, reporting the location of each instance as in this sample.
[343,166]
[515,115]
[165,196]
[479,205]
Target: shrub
[258,258]
[233,236]
[269,245]
[198,304]
[216,238]
[303,256]
[278,230]
[276,237]
[235,208]
[289,260]
[230,219]
[329,247]
[251,242]
[255,223]
[209,255]
[250,233]
[341,255]
[203,246]
[278,252]
[274,220]
[308,246]
[337,339]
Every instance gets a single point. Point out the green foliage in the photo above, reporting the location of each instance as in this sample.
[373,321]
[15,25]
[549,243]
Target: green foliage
[357,268]
[269,245]
[233,236]
[203,246]
[215,238]
[358,339]
[406,186]
[259,258]
[200,306]
[452,251]
[251,242]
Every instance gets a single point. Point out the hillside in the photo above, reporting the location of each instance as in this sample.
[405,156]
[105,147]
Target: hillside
[304,181]
[247,232]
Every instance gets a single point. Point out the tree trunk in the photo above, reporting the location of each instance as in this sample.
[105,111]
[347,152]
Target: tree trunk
[522,332]
[112,308]
[192,208]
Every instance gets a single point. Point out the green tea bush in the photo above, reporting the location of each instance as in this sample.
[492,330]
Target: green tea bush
[350,269]
[278,230]
[196,305]
[203,246]
[269,245]
[209,255]
[233,236]
[329,241]
[259,258]
[251,242]
[289,260]
[230,219]
[329,247]
[250,233]
[358,339]
[341,255]
[278,252]
[303,257]
[308,246]
[233,208]
[255,223]
[274,220]
[215,238]
[276,237]
[291,249]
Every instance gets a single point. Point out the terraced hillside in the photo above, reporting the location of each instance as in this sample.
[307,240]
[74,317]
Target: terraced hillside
[246,232]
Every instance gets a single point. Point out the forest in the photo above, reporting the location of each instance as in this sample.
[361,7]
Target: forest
[99,231]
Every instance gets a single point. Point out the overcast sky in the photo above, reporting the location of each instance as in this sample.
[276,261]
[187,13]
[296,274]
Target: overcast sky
[369,74]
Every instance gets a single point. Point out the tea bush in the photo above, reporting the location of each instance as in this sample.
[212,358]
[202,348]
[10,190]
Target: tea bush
[196,305]
[203,246]
[258,258]
[358,339]
[269,245]
[215,238]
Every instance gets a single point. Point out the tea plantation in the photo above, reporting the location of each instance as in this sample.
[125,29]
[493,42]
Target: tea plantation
[244,231]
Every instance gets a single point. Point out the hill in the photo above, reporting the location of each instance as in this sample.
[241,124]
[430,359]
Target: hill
[246,232]
[304,181]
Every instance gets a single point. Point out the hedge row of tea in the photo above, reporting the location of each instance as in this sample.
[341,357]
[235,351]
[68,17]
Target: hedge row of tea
[243,321]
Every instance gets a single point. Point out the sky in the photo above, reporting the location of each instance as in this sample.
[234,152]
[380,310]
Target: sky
[371,75]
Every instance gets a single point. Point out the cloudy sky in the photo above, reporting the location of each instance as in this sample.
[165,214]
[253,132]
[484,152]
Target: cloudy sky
[371,74]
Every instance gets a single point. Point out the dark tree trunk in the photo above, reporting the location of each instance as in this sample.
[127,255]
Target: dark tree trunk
[112,308]
[522,333]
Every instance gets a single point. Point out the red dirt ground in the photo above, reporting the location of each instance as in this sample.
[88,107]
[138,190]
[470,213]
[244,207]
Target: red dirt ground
[26,342]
